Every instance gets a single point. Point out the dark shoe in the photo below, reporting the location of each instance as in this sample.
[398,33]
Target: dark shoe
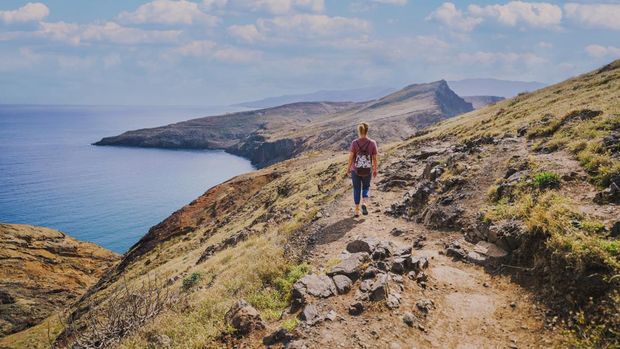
[364,210]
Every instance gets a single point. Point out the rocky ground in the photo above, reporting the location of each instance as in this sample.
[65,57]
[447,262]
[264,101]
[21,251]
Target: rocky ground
[421,270]
[43,270]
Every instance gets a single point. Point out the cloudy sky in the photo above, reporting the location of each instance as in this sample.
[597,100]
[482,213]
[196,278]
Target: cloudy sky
[214,52]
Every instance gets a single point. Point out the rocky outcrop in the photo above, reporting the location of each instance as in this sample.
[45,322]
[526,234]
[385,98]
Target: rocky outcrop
[43,270]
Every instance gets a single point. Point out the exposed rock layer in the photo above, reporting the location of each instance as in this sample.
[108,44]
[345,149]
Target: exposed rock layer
[41,271]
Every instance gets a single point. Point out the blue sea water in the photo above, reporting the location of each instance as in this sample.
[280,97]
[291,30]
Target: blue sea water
[51,176]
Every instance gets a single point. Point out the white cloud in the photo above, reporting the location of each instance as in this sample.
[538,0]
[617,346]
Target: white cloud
[599,51]
[392,2]
[197,48]
[448,15]
[31,12]
[168,12]
[210,49]
[234,54]
[488,58]
[300,26]
[275,7]
[595,15]
[545,45]
[535,14]
[110,32]
[247,32]
[210,4]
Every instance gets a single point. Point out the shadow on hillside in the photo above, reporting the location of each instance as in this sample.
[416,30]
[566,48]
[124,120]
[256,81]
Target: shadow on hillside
[336,230]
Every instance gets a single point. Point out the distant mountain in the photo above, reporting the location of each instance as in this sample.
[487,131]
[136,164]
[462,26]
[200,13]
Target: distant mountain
[482,101]
[266,136]
[353,95]
[493,87]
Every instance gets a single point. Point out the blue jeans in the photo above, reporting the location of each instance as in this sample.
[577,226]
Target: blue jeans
[361,186]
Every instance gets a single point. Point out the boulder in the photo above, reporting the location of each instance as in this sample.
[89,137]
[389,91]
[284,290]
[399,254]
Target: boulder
[393,301]
[476,258]
[398,265]
[281,335]
[350,266]
[370,272]
[425,305]
[244,318]
[397,232]
[456,251]
[362,245]
[379,289]
[493,252]
[343,283]
[506,234]
[614,232]
[409,319]
[442,217]
[320,286]
[156,340]
[413,201]
[403,251]
[416,263]
[609,195]
[311,314]
[356,308]
[366,285]
[382,250]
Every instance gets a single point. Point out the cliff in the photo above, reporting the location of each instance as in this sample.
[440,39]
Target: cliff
[42,271]
[267,136]
[496,228]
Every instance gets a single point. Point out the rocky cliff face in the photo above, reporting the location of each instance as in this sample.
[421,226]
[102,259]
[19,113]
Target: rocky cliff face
[270,135]
[43,270]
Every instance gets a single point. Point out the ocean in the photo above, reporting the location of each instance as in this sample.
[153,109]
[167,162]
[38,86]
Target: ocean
[51,176]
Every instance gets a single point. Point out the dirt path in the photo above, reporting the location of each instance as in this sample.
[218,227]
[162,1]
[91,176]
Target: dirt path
[471,308]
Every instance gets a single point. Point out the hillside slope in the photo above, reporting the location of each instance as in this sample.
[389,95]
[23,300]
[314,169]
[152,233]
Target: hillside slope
[503,223]
[42,271]
[270,135]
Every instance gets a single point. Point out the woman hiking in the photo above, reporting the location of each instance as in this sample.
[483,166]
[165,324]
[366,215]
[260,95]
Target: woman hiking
[362,167]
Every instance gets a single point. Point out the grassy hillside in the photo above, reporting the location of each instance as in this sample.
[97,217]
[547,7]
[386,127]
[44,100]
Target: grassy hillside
[250,237]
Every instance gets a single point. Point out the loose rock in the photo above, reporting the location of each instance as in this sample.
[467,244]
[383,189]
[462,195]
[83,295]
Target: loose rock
[378,290]
[351,266]
[311,314]
[244,318]
[409,319]
[343,283]
[424,305]
[356,308]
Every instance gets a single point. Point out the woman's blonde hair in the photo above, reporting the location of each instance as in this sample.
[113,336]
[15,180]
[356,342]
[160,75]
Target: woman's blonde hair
[362,128]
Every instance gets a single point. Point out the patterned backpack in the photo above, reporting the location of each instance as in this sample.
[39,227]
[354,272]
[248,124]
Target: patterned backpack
[363,162]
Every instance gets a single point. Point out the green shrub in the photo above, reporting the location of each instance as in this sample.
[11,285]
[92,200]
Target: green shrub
[284,284]
[546,180]
[192,280]
[290,324]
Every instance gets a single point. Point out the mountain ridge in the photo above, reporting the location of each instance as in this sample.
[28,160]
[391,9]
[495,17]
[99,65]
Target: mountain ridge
[266,136]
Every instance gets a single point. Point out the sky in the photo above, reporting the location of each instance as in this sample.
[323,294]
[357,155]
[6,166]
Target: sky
[217,52]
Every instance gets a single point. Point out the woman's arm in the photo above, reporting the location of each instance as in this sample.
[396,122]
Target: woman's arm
[346,172]
[375,159]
